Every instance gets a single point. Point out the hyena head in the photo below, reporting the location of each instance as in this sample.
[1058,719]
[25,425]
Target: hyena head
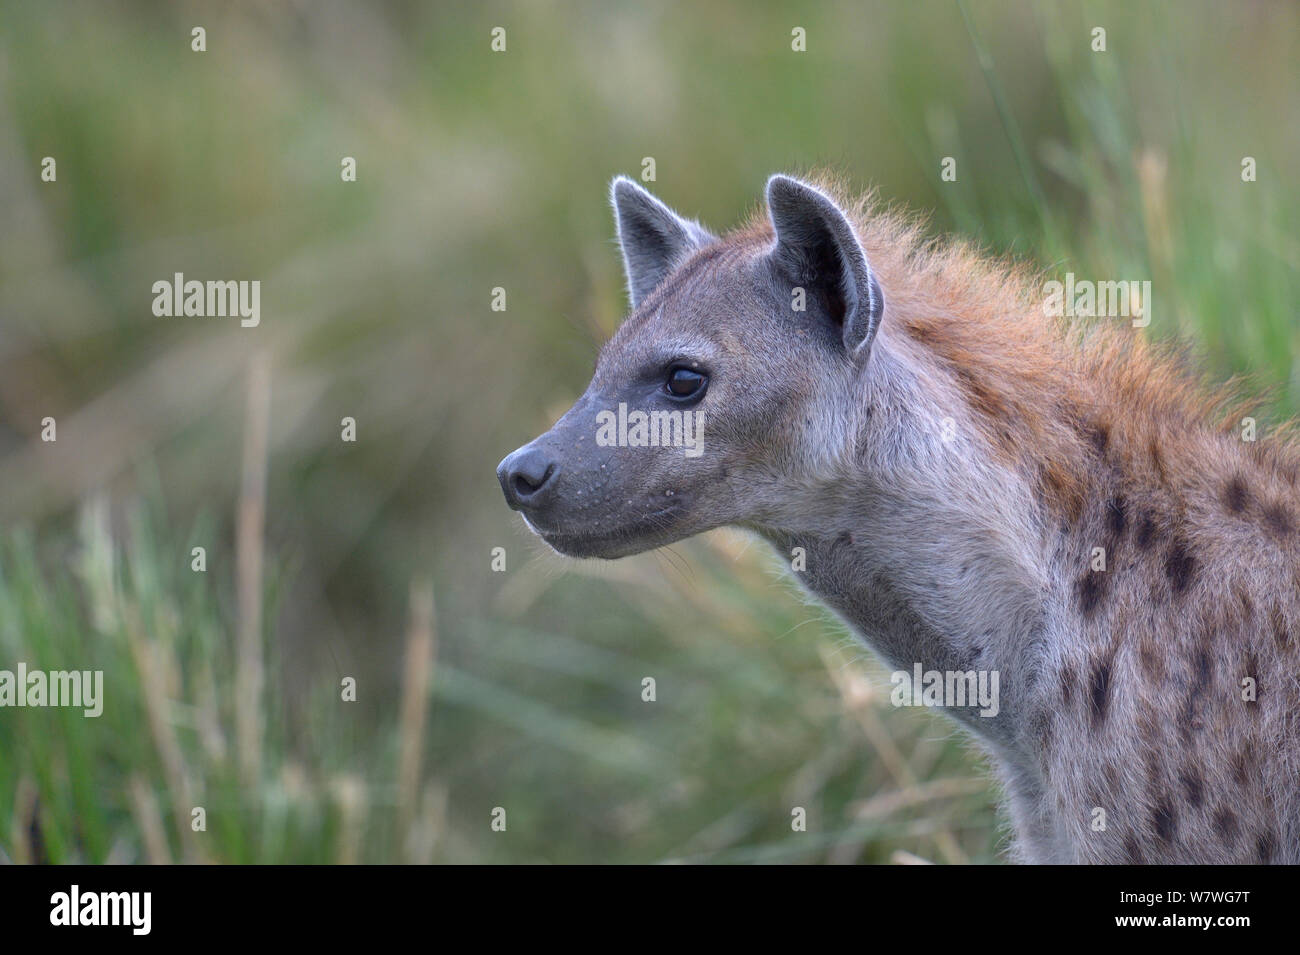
[727,388]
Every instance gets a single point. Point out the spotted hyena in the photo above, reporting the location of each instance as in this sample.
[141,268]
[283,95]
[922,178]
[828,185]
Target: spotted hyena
[973,487]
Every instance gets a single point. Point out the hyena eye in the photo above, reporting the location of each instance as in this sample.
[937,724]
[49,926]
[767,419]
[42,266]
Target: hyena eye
[685,383]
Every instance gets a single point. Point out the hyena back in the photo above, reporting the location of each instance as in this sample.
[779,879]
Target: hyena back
[974,487]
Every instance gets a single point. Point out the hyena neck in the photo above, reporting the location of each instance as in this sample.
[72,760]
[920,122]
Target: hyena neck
[926,545]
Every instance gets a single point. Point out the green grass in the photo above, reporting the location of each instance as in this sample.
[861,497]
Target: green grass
[123,786]
[478,170]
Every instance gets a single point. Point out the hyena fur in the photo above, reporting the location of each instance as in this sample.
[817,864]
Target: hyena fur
[975,487]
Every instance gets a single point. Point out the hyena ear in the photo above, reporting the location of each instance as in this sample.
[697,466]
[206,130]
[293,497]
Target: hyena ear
[655,239]
[816,248]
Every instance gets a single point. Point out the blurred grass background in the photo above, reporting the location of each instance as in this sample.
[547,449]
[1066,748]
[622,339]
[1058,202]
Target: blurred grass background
[521,689]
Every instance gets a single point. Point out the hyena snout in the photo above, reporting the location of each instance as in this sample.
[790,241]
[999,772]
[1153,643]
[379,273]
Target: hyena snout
[527,477]
[587,497]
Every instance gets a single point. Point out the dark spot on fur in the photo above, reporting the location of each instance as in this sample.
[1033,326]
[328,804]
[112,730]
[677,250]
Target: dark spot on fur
[1146,532]
[1067,685]
[1091,588]
[1046,734]
[983,397]
[1265,846]
[1235,495]
[1117,515]
[1277,519]
[1099,435]
[1058,488]
[1193,787]
[1187,724]
[1247,605]
[1242,764]
[1281,633]
[1132,850]
[1180,566]
[845,539]
[1164,820]
[1225,824]
[1100,691]
[1203,665]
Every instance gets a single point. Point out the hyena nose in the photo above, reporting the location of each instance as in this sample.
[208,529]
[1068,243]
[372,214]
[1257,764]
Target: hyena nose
[526,477]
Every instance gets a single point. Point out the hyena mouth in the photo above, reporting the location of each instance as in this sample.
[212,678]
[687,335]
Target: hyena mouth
[644,533]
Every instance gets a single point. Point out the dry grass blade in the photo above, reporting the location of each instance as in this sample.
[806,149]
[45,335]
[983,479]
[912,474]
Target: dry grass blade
[888,752]
[249,677]
[936,789]
[351,797]
[24,818]
[147,816]
[421,648]
[153,683]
